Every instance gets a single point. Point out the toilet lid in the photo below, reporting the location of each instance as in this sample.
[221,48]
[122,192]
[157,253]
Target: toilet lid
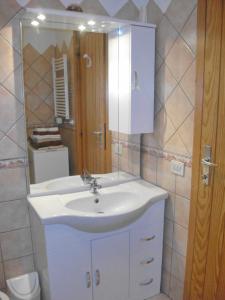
[25,285]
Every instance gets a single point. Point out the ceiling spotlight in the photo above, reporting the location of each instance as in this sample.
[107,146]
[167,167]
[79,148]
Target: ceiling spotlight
[41,17]
[34,23]
[103,25]
[91,22]
[81,27]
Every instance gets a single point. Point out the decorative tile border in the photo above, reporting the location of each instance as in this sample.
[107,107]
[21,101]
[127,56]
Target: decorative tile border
[13,163]
[167,156]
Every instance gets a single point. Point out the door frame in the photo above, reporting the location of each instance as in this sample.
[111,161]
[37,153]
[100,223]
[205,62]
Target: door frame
[208,56]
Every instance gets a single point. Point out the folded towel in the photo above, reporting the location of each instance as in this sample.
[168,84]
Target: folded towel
[46,131]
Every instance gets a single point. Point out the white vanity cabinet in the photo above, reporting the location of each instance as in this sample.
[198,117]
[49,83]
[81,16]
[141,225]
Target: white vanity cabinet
[90,270]
[131,80]
[123,264]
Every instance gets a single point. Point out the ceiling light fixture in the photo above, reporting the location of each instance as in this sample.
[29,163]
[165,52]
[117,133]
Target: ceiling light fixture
[103,25]
[34,23]
[81,27]
[41,17]
[91,22]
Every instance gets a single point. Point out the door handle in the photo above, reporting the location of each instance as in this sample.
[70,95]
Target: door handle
[88,280]
[97,132]
[207,164]
[97,278]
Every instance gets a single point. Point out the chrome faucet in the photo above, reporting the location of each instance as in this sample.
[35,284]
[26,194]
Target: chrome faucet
[86,177]
[94,186]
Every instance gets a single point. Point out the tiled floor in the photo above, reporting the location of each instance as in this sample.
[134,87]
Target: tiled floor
[160,297]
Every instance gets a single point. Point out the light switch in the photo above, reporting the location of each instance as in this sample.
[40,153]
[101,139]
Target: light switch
[177,167]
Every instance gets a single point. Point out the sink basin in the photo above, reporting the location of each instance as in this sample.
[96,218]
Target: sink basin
[112,208]
[104,203]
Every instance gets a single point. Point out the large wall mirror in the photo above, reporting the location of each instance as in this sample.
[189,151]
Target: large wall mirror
[67,82]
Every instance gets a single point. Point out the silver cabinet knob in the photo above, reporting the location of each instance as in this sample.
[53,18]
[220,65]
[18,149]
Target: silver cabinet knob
[147,261]
[144,283]
[97,278]
[150,238]
[88,280]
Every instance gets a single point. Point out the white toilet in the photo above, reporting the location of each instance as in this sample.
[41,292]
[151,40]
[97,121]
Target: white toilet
[25,287]
[3,296]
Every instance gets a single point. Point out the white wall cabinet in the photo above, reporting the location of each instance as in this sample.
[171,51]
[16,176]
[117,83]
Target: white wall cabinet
[121,265]
[131,79]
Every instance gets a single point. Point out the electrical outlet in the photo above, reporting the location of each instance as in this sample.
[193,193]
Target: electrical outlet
[177,167]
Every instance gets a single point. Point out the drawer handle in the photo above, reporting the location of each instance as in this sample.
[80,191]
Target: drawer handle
[147,261]
[147,282]
[148,239]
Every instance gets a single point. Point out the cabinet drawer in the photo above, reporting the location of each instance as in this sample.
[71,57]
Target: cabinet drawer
[145,281]
[147,242]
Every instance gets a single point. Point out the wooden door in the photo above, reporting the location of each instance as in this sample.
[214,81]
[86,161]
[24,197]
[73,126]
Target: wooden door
[110,267]
[205,271]
[96,136]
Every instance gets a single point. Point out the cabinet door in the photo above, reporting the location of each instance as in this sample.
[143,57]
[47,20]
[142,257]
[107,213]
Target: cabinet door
[142,78]
[69,264]
[110,263]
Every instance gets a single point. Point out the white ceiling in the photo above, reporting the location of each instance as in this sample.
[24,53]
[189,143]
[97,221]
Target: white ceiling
[112,7]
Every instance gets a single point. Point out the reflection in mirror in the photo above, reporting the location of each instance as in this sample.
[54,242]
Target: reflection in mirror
[67,86]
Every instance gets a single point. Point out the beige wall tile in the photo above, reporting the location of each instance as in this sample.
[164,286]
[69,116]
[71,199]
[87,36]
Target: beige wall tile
[178,107]
[168,233]
[12,184]
[189,31]
[9,59]
[11,32]
[167,258]
[18,134]
[165,178]
[13,215]
[154,13]
[165,83]
[10,110]
[179,58]
[165,37]
[149,167]
[20,266]
[180,239]
[179,11]
[8,8]
[170,207]
[176,145]
[10,150]
[94,7]
[183,184]
[13,83]
[186,132]
[178,266]
[165,283]
[182,207]
[164,128]
[129,11]
[176,289]
[16,243]
[188,82]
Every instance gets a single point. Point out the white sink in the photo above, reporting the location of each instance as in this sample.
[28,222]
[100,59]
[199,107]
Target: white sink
[112,208]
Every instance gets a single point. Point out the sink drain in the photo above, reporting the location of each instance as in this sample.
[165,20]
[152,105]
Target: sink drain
[100,212]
